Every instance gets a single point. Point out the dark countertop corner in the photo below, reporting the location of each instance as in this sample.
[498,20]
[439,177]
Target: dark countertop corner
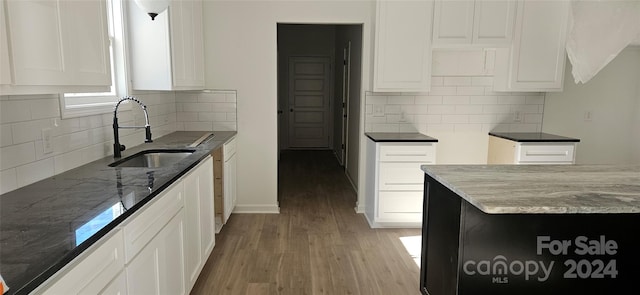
[399,137]
[533,137]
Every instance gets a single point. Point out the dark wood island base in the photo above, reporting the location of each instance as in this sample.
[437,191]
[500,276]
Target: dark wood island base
[467,251]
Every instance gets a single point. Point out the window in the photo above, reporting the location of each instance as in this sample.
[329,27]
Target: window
[85,104]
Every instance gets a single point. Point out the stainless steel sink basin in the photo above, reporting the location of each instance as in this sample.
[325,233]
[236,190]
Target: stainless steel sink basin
[153,158]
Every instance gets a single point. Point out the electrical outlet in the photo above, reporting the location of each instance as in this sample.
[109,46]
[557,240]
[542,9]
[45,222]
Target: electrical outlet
[47,146]
[517,116]
[588,116]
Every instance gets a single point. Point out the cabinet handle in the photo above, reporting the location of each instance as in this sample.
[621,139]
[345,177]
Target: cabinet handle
[546,153]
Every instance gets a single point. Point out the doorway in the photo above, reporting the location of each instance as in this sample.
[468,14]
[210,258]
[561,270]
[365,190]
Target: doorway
[319,78]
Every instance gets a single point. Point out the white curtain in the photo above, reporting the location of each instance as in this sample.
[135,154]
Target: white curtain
[598,31]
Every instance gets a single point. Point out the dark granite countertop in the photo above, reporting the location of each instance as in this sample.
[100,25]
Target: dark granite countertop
[399,137]
[533,137]
[555,189]
[43,226]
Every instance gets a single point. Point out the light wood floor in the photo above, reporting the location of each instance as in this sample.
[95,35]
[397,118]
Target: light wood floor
[316,245]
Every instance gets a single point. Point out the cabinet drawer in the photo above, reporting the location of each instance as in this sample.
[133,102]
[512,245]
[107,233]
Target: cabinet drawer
[400,202]
[400,176]
[421,153]
[546,153]
[143,227]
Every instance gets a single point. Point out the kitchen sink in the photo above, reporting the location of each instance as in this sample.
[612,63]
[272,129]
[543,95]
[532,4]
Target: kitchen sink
[153,158]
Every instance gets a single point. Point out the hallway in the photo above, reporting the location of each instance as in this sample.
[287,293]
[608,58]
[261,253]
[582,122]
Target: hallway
[316,245]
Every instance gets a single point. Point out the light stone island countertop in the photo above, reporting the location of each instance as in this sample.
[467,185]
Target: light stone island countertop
[557,189]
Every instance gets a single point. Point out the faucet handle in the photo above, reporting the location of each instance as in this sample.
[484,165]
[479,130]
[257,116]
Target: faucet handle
[122,147]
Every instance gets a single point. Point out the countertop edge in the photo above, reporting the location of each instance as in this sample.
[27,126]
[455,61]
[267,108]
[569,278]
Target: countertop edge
[560,139]
[420,137]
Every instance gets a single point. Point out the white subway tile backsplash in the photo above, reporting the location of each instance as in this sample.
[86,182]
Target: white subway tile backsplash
[437,81]
[460,99]
[442,109]
[6,135]
[198,126]
[14,111]
[187,116]
[392,109]
[443,90]
[15,155]
[8,180]
[35,171]
[537,99]
[483,99]
[401,100]
[469,109]
[482,119]
[427,99]
[455,119]
[470,90]
[482,81]
[45,108]
[76,141]
[197,107]
[213,97]
[461,128]
[456,104]
[511,99]
[212,117]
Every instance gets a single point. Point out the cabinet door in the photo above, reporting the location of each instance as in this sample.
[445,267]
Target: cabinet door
[538,54]
[37,42]
[199,219]
[94,271]
[187,45]
[5,69]
[59,42]
[117,287]
[86,26]
[402,49]
[493,22]
[229,186]
[159,267]
[453,22]
[401,206]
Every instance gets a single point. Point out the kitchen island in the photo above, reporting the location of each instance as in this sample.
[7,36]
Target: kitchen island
[532,229]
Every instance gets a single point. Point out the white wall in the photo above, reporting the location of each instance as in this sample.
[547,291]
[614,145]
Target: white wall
[76,141]
[240,42]
[612,136]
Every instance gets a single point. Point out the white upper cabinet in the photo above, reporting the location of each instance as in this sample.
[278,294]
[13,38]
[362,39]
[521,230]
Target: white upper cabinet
[58,43]
[480,22]
[167,53]
[453,22]
[402,47]
[536,60]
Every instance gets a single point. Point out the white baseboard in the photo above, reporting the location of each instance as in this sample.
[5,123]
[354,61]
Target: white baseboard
[257,209]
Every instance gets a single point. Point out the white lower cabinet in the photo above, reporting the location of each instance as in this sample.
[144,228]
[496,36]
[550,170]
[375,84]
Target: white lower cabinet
[395,182]
[159,266]
[199,220]
[230,184]
[504,151]
[160,249]
[99,271]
